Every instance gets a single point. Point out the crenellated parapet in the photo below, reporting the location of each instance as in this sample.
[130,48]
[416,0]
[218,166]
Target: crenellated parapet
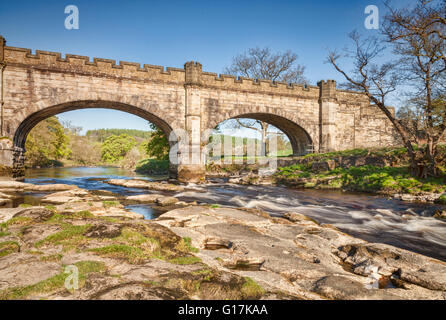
[191,73]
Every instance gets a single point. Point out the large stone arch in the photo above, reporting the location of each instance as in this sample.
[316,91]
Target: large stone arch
[43,110]
[301,140]
[34,118]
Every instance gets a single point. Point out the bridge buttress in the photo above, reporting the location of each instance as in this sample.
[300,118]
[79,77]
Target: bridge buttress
[328,106]
[193,165]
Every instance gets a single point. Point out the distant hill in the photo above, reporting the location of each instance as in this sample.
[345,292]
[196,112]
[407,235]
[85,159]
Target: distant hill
[101,134]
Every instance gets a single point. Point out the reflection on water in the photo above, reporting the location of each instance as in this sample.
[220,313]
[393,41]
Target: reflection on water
[372,218]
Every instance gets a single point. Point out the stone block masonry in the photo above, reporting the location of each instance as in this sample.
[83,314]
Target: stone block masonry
[320,118]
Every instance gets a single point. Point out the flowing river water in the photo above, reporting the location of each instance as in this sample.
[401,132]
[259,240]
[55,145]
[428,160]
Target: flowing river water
[373,218]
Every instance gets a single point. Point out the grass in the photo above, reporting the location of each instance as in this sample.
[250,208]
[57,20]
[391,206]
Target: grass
[69,237]
[390,151]
[185,260]
[4,233]
[25,205]
[442,199]
[132,254]
[15,221]
[85,214]
[251,290]
[8,247]
[152,166]
[185,245]
[52,257]
[132,246]
[108,204]
[53,283]
[362,178]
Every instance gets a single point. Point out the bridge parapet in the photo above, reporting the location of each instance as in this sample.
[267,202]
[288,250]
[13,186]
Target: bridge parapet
[53,61]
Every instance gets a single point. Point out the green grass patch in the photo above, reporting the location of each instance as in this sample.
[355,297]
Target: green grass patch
[85,214]
[54,283]
[8,247]
[108,204]
[364,178]
[69,237]
[185,245]
[16,221]
[442,199]
[185,260]
[251,289]
[152,166]
[4,233]
[25,205]
[52,257]
[132,254]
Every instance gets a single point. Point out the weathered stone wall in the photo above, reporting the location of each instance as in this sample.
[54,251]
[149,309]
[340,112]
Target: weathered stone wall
[36,86]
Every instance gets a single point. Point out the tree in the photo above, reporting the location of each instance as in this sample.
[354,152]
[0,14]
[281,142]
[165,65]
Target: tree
[262,63]
[46,143]
[115,148]
[158,145]
[417,36]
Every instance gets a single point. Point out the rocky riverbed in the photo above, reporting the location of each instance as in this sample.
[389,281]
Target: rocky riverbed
[194,252]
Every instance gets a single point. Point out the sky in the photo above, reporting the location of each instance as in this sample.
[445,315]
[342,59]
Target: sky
[169,33]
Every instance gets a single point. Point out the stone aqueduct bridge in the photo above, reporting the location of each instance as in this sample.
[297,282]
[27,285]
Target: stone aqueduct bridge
[36,86]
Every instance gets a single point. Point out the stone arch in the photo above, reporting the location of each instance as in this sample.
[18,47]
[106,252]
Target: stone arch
[301,140]
[26,124]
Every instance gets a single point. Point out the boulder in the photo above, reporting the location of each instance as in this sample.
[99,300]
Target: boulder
[144,198]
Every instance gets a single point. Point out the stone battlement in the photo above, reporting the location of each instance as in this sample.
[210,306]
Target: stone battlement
[53,61]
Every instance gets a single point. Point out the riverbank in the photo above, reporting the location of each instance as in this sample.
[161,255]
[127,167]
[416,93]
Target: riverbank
[195,252]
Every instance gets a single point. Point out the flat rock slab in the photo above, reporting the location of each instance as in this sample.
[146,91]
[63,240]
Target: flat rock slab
[134,183]
[21,186]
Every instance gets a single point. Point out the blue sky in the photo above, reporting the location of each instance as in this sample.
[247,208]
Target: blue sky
[170,33]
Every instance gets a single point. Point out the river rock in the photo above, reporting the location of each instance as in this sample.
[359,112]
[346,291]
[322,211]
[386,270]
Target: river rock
[298,256]
[393,262]
[134,183]
[21,186]
[440,214]
[144,198]
[423,197]
[50,187]
[37,214]
[67,196]
[323,165]
[166,201]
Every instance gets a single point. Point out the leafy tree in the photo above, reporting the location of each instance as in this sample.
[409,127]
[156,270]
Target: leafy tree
[46,143]
[115,148]
[101,135]
[158,145]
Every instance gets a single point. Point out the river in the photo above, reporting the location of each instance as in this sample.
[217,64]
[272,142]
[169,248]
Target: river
[373,218]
